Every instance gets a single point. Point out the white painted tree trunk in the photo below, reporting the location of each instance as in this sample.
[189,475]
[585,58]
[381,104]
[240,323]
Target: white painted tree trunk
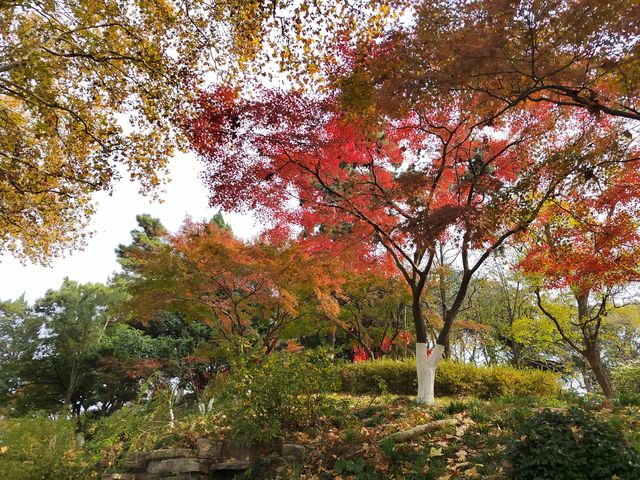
[426,369]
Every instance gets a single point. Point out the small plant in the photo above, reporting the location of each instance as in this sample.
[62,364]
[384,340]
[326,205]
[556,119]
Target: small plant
[456,406]
[347,467]
[137,427]
[571,446]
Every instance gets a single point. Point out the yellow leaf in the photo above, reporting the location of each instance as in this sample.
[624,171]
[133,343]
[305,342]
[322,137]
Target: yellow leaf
[472,472]
[435,452]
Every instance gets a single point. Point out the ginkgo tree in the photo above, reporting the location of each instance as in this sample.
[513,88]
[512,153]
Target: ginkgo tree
[395,186]
[91,90]
[586,242]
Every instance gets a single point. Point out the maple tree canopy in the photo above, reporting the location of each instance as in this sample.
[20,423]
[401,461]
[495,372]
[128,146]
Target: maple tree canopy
[579,53]
[395,187]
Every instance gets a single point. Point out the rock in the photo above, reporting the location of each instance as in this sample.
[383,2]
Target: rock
[277,462]
[118,476]
[164,453]
[176,465]
[208,448]
[238,465]
[293,451]
[133,462]
[138,462]
[277,445]
[233,451]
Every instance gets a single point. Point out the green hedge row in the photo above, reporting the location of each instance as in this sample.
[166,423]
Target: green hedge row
[452,379]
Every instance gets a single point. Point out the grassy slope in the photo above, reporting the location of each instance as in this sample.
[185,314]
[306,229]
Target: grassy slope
[472,449]
[347,444]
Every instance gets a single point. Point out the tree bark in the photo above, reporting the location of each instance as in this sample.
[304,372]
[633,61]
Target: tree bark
[425,373]
[416,310]
[420,430]
[592,350]
[592,354]
[73,378]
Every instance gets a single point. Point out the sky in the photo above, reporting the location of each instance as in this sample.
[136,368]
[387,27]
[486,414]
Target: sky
[115,217]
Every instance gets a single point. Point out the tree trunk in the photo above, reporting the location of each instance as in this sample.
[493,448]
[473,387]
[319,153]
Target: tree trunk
[367,350]
[427,372]
[416,310]
[73,377]
[331,338]
[592,349]
[592,355]
[422,369]
[586,372]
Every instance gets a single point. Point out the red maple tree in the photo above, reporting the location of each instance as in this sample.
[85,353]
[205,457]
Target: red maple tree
[587,241]
[393,187]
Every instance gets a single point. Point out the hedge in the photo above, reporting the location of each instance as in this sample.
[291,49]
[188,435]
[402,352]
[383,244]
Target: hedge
[452,379]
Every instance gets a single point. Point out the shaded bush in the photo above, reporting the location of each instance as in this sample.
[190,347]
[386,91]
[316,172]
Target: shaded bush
[452,378]
[135,427]
[40,448]
[627,383]
[284,390]
[571,446]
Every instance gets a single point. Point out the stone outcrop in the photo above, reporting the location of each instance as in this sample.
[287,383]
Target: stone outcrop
[209,459]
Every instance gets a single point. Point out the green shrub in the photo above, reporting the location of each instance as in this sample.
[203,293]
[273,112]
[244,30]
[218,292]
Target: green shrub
[452,379]
[40,448]
[627,384]
[571,446]
[133,428]
[259,400]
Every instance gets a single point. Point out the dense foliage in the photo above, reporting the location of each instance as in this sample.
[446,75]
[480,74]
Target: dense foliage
[627,381]
[572,445]
[37,447]
[285,391]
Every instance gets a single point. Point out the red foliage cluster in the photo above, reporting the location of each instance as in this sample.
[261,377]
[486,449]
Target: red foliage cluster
[402,337]
[359,354]
[589,244]
[307,167]
[390,189]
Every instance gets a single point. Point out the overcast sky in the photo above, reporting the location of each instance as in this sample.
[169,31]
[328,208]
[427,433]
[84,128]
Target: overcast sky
[113,222]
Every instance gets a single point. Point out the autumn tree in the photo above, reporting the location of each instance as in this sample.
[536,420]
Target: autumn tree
[395,186]
[579,53]
[91,90]
[587,242]
[370,310]
[248,293]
